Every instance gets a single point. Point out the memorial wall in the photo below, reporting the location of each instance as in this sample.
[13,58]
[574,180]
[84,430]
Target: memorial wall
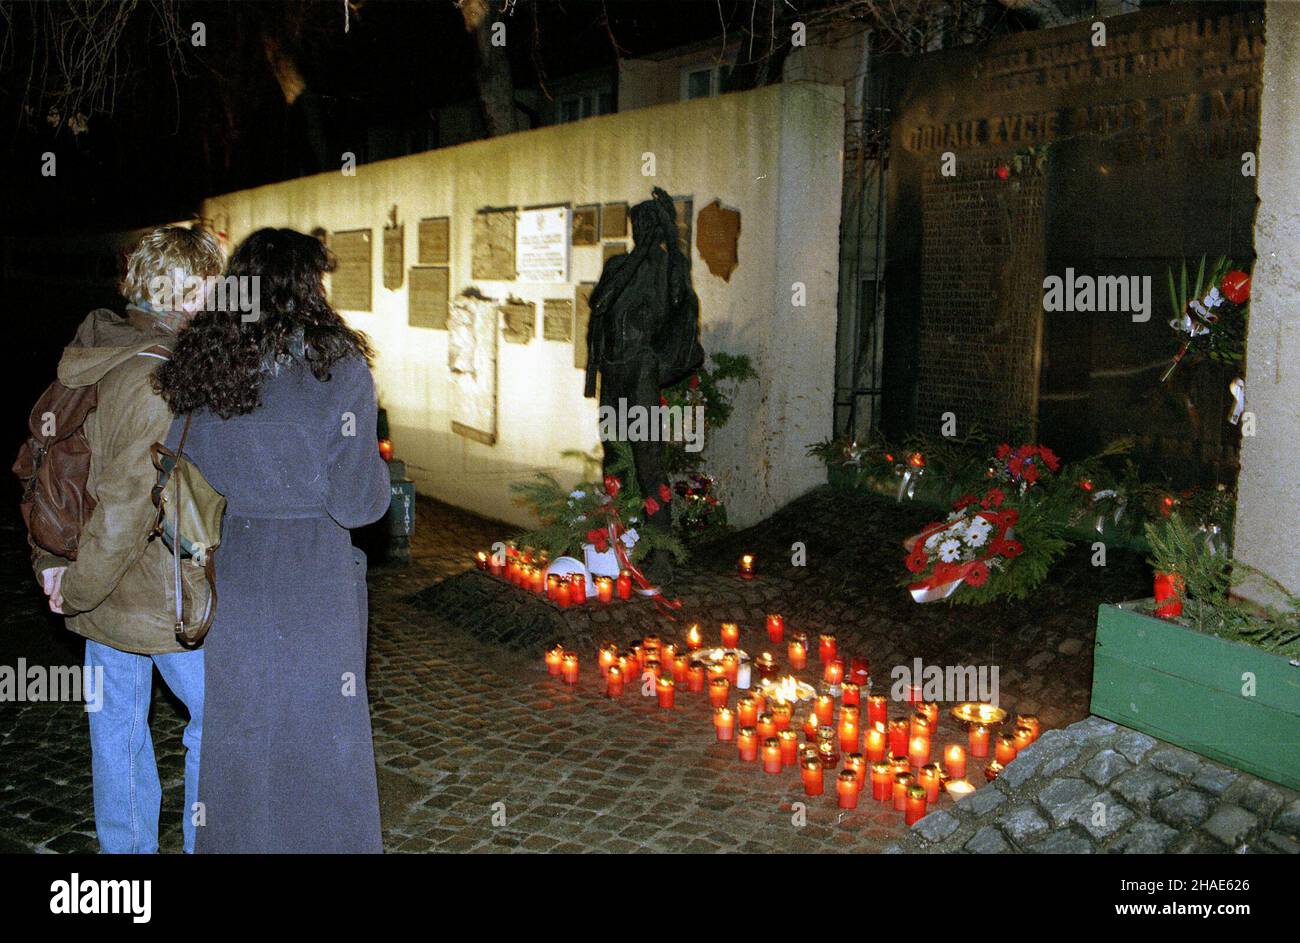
[470,268]
[1114,152]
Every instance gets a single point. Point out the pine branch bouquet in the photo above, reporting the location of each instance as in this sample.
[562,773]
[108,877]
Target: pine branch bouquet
[1208,577]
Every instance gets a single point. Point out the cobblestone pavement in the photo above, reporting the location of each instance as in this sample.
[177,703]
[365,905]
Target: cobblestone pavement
[480,750]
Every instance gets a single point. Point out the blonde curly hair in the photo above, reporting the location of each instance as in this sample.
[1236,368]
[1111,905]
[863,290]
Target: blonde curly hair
[165,251]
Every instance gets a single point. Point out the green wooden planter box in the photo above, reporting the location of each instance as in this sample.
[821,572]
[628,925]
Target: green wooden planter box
[1177,684]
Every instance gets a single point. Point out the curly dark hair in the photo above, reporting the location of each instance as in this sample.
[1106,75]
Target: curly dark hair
[220,359]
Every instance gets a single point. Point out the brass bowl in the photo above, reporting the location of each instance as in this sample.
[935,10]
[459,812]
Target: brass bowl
[985,715]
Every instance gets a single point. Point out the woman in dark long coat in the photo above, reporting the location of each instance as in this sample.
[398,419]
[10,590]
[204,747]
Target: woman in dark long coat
[283,424]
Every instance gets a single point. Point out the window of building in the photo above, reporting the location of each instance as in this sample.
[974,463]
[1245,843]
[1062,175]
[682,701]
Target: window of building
[704,81]
[583,105]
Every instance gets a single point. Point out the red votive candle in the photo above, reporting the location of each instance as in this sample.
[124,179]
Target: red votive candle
[613,681]
[931,777]
[789,747]
[607,657]
[1169,595]
[782,714]
[930,710]
[813,777]
[746,567]
[667,692]
[555,661]
[858,765]
[724,723]
[569,668]
[846,788]
[851,694]
[766,725]
[902,782]
[898,735]
[859,670]
[918,751]
[826,648]
[915,806]
[1005,751]
[694,638]
[731,666]
[695,677]
[538,580]
[775,628]
[833,672]
[875,745]
[1029,721]
[954,760]
[604,589]
[914,695]
[747,710]
[682,669]
[771,755]
[848,734]
[877,709]
[624,585]
[882,781]
[730,635]
[719,690]
[825,708]
[918,725]
[747,744]
[810,725]
[562,593]
[797,653]
[979,740]
[481,560]
[1023,737]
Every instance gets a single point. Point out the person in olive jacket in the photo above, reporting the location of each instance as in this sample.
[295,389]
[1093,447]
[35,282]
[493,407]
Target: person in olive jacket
[118,592]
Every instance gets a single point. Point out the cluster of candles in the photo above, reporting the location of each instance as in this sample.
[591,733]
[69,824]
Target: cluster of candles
[894,754]
[529,572]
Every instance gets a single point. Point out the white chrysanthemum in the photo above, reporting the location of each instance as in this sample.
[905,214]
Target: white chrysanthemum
[950,551]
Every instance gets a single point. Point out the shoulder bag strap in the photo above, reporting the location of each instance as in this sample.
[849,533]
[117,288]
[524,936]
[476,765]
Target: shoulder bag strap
[176,529]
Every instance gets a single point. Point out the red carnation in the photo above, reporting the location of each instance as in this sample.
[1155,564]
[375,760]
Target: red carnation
[651,507]
[695,381]
[977,575]
[993,498]
[612,486]
[1235,286]
[1013,548]
[665,494]
[1003,450]
[598,539]
[1049,457]
[1031,473]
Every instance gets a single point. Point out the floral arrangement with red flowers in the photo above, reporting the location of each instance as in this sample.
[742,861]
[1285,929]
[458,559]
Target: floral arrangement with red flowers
[596,513]
[1210,313]
[1023,466]
[973,542]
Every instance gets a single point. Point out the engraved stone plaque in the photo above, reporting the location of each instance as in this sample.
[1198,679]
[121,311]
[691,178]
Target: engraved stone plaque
[613,221]
[518,321]
[472,361]
[582,317]
[394,267]
[494,245]
[557,319]
[435,241]
[717,230]
[429,291]
[350,280]
[586,226]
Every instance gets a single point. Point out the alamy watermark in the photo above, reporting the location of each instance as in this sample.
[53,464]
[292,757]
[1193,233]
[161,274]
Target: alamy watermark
[946,682]
[39,683]
[632,422]
[234,293]
[1129,294]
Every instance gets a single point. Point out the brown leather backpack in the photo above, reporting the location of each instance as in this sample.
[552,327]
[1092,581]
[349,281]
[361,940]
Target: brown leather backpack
[54,465]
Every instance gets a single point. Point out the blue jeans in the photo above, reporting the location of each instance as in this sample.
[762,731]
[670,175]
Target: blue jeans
[128,794]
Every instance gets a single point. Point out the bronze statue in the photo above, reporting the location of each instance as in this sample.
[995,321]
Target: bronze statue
[644,335]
